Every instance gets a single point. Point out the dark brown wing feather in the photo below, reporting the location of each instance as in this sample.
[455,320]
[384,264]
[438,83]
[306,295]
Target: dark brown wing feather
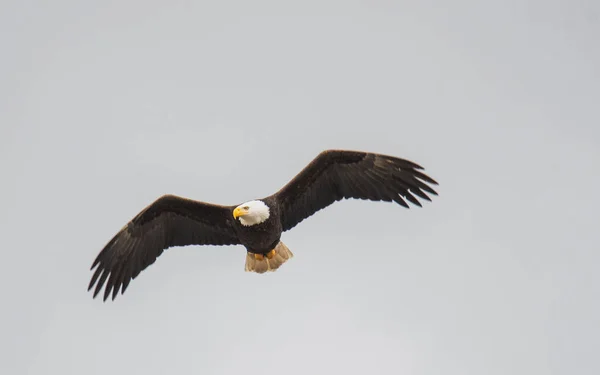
[169,221]
[337,174]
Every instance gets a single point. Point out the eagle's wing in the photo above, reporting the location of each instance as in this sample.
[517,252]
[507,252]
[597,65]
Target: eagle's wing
[168,221]
[337,174]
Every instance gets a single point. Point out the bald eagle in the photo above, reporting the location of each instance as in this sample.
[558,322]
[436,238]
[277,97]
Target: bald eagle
[257,224]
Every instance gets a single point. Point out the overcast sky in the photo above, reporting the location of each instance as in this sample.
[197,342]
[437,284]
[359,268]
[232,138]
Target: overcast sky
[105,106]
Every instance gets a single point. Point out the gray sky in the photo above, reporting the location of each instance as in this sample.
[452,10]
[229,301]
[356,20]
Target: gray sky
[105,106]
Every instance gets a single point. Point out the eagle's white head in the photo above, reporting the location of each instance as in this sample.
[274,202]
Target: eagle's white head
[252,212]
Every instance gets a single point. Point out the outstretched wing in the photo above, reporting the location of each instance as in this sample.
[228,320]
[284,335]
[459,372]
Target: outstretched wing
[169,221]
[338,174]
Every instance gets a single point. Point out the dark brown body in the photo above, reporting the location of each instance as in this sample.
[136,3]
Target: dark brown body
[261,238]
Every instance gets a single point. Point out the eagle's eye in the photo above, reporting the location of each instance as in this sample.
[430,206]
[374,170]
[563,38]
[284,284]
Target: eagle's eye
[246,208]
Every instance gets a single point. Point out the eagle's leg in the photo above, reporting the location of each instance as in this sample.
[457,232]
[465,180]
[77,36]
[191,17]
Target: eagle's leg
[259,257]
[271,254]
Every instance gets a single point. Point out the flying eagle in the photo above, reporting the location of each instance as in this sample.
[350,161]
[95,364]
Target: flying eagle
[257,224]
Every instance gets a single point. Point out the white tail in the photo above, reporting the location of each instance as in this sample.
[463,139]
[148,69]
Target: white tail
[266,263]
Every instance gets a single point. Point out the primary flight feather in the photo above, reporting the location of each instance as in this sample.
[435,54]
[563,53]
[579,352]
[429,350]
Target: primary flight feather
[258,224]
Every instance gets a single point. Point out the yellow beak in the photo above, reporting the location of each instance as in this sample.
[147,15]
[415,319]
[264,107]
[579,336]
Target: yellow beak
[238,212]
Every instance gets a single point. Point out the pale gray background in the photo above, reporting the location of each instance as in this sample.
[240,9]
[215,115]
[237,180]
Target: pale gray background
[107,105]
